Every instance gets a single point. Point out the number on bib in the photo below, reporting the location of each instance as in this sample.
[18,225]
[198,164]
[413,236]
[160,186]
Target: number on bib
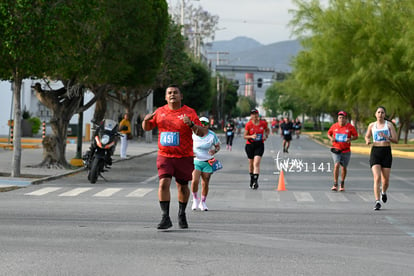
[170,139]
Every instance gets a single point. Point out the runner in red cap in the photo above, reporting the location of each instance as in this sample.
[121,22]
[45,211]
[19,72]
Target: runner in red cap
[341,134]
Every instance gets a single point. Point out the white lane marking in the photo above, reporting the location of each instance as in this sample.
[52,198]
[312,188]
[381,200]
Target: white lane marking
[336,197]
[75,192]
[409,230]
[44,191]
[140,192]
[303,196]
[402,179]
[107,192]
[364,164]
[271,196]
[401,197]
[366,196]
[150,179]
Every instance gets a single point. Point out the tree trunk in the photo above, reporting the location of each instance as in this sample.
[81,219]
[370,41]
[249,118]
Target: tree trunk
[100,108]
[63,108]
[17,143]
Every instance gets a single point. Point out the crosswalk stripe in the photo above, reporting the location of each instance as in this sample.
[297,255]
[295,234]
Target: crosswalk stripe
[107,192]
[271,196]
[75,192]
[401,197]
[267,196]
[140,192]
[366,196]
[44,191]
[336,197]
[150,179]
[303,196]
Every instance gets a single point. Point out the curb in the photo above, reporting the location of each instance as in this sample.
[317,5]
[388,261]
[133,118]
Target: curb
[25,182]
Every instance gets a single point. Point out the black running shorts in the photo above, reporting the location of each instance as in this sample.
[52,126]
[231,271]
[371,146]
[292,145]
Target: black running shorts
[254,149]
[381,156]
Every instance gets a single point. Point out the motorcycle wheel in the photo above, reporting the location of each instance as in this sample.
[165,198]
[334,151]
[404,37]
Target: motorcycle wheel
[95,169]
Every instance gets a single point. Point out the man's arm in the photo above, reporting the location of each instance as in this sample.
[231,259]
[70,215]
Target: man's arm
[146,124]
[198,130]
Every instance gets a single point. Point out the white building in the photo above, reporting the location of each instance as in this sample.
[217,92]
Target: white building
[30,103]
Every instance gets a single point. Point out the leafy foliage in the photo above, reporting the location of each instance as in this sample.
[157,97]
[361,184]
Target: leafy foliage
[357,55]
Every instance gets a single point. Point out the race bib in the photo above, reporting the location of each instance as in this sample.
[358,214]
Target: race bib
[286,132]
[379,135]
[170,139]
[258,137]
[339,137]
[229,133]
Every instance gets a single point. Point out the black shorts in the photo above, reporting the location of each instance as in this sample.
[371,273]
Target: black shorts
[254,149]
[287,137]
[381,156]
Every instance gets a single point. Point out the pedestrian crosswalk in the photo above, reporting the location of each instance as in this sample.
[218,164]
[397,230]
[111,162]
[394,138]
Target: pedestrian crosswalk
[266,195]
[97,192]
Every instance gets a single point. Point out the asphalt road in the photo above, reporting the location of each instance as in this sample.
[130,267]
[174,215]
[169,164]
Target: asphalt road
[71,227]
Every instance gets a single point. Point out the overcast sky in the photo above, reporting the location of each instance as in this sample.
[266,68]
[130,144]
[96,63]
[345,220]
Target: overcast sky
[263,20]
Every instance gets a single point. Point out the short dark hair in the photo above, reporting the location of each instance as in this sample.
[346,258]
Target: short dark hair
[173,86]
[380,106]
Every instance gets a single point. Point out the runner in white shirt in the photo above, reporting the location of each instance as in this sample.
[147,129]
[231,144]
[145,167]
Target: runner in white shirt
[204,149]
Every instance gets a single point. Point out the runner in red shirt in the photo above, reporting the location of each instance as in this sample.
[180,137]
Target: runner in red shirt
[256,132]
[341,134]
[175,123]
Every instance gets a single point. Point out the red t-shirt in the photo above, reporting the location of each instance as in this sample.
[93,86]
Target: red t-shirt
[259,129]
[340,134]
[174,137]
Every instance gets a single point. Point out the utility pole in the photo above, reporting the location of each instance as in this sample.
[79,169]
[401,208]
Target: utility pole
[182,17]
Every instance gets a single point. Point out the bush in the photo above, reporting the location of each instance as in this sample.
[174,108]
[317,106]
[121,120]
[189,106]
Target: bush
[36,124]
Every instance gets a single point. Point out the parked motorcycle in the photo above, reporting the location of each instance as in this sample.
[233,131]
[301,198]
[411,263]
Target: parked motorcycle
[99,156]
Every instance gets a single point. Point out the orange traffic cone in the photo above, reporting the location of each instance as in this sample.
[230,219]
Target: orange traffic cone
[281,185]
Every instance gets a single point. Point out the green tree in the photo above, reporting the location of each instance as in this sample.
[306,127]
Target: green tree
[134,49]
[198,92]
[356,53]
[174,66]
[230,99]
[27,30]
[111,48]
[78,29]
[244,105]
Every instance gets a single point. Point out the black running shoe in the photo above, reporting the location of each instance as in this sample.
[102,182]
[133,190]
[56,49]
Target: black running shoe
[255,185]
[384,197]
[182,221]
[377,206]
[251,183]
[165,223]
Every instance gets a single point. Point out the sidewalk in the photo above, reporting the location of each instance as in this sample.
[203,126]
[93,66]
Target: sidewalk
[32,156]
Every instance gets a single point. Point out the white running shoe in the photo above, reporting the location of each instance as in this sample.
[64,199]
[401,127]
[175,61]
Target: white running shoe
[195,204]
[203,206]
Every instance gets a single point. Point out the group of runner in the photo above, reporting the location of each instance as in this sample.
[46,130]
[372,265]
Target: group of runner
[182,135]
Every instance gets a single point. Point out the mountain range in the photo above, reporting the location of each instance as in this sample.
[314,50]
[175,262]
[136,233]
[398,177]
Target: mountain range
[246,51]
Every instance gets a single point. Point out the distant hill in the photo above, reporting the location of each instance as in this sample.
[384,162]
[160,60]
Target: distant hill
[238,44]
[249,52]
